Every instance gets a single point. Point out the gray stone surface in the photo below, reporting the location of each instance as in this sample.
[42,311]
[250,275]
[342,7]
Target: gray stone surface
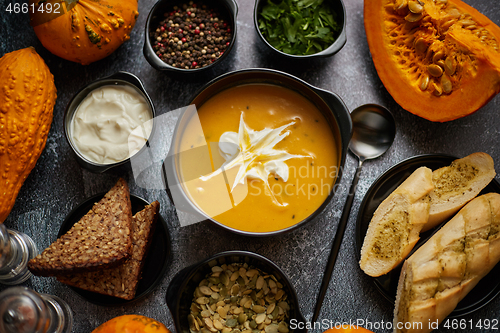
[57,184]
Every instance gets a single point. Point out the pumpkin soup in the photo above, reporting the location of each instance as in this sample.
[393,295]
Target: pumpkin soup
[273,158]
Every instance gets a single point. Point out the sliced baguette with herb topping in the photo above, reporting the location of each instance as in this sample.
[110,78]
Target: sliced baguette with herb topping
[457,184]
[443,270]
[395,227]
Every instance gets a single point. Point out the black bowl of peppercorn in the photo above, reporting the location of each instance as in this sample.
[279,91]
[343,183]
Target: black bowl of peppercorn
[189,36]
[301,29]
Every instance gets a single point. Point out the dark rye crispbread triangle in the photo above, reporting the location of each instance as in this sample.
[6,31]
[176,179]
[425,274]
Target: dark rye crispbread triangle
[121,281]
[99,240]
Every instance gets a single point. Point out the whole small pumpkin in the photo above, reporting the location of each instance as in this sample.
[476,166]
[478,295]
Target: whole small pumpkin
[132,324]
[84,31]
[27,98]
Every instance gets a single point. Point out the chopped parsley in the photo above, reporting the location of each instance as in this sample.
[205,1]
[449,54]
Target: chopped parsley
[298,27]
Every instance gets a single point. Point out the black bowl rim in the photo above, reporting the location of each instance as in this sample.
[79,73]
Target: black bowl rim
[343,145]
[197,266]
[336,46]
[160,65]
[121,77]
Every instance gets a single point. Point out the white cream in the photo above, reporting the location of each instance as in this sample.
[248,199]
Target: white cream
[253,152]
[111,124]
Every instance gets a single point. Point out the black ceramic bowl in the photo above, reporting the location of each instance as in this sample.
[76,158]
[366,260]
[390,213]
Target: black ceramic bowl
[337,6]
[119,78]
[227,8]
[180,291]
[331,106]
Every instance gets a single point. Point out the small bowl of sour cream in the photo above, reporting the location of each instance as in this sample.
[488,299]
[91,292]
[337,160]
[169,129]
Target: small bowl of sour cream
[109,121]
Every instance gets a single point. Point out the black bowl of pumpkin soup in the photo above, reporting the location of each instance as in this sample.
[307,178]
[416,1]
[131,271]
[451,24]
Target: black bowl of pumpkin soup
[259,152]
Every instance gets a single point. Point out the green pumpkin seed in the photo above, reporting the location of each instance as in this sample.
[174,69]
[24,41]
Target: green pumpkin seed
[202,300]
[231,322]
[205,290]
[224,279]
[242,318]
[260,318]
[213,280]
[218,325]
[282,327]
[192,323]
[222,311]
[234,276]
[260,282]
[272,328]
[258,309]
[276,312]
[284,306]
[279,294]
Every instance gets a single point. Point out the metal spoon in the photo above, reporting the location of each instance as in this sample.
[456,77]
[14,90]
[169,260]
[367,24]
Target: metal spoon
[374,129]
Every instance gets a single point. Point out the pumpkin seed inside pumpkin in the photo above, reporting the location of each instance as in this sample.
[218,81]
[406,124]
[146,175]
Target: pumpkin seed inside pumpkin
[435,70]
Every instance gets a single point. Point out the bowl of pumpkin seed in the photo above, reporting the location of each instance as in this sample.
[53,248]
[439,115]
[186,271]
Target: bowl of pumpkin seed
[234,291]
[299,29]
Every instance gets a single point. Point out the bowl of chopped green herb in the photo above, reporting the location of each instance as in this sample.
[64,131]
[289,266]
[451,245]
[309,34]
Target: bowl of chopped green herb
[301,28]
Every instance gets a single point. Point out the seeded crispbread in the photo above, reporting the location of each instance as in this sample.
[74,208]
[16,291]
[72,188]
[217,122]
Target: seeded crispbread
[121,281]
[101,238]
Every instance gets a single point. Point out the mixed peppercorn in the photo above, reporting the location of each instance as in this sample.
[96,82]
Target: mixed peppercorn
[191,36]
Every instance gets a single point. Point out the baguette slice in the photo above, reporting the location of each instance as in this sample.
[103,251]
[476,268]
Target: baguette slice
[122,281]
[395,227]
[443,270]
[100,239]
[457,184]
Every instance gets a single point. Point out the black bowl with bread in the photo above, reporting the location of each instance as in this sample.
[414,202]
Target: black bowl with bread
[214,274]
[112,249]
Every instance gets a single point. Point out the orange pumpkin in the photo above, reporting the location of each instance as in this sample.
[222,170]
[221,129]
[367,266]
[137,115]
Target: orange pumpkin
[131,324]
[27,99]
[439,59]
[84,31]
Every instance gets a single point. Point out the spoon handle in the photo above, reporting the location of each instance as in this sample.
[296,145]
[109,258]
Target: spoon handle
[336,243]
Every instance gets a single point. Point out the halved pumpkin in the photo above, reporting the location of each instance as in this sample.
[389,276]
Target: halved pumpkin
[439,59]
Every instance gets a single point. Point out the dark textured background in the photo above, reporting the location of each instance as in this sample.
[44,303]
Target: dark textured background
[57,183]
